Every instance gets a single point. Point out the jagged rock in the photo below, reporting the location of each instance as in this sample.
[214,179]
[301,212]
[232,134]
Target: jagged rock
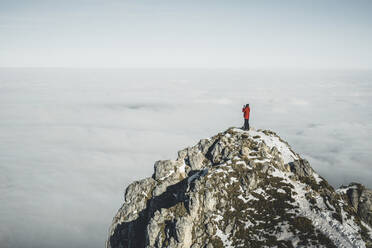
[365,206]
[361,200]
[195,158]
[240,189]
[301,168]
[136,196]
[184,231]
[354,194]
[165,168]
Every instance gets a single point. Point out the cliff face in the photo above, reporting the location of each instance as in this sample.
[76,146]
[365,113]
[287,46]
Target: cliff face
[241,189]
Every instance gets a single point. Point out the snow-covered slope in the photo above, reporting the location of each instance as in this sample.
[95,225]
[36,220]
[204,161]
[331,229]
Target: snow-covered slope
[239,189]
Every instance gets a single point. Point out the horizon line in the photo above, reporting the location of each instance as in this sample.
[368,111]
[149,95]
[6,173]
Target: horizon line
[192,68]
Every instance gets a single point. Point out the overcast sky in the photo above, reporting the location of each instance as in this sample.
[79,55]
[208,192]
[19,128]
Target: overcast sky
[113,33]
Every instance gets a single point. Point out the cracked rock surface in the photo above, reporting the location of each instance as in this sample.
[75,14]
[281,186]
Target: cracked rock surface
[241,189]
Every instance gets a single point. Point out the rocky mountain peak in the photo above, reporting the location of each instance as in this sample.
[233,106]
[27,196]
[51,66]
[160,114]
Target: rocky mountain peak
[241,189]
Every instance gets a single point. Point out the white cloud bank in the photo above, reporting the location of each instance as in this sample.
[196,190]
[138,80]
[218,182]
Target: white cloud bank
[72,140]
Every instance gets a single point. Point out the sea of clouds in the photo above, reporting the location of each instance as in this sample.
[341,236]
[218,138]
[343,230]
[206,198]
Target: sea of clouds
[73,139]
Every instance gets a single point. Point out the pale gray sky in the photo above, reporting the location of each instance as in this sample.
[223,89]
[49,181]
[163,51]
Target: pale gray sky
[165,33]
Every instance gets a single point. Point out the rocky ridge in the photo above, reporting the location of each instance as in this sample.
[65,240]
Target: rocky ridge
[241,189]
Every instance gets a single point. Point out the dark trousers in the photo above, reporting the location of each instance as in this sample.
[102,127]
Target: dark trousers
[246,124]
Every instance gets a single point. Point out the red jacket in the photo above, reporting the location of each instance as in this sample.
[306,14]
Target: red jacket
[246,111]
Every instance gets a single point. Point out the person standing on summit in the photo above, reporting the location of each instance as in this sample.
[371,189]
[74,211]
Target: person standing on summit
[246,110]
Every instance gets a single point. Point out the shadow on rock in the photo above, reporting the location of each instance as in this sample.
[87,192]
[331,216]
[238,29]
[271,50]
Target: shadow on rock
[133,233]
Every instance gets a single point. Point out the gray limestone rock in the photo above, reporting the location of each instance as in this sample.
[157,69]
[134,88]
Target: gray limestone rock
[204,145]
[195,158]
[354,194]
[361,200]
[164,168]
[234,190]
[302,168]
[365,206]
